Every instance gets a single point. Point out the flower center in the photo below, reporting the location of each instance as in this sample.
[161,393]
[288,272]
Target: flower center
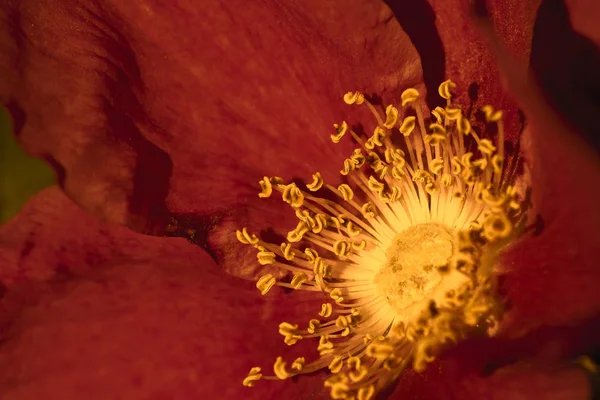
[411,271]
[403,255]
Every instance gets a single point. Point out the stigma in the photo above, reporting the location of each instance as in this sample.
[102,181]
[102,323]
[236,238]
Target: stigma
[402,252]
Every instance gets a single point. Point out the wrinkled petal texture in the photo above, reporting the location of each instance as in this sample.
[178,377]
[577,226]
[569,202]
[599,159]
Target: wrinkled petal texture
[97,311]
[184,106]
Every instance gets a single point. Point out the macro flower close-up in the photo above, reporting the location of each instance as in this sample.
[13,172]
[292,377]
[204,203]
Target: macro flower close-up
[300,199]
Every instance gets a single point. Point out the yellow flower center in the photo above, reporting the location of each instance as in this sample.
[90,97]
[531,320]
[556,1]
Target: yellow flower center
[404,256]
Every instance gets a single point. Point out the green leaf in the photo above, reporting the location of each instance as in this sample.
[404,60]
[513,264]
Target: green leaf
[21,176]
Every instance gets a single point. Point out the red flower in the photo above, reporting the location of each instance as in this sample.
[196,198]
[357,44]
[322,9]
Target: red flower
[144,109]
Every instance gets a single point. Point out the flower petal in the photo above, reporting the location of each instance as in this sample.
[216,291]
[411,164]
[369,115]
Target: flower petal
[554,381]
[551,279]
[466,59]
[110,313]
[154,106]
[584,18]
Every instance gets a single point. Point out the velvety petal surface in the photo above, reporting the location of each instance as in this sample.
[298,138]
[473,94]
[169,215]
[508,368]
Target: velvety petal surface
[521,381]
[461,55]
[551,275]
[154,108]
[97,311]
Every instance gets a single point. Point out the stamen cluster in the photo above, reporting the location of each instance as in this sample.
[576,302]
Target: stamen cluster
[439,175]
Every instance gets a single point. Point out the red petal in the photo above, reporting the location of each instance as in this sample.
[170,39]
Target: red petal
[552,279]
[584,18]
[188,105]
[468,61]
[113,314]
[521,381]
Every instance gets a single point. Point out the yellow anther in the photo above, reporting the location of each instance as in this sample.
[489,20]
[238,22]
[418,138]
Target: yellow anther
[325,346]
[357,158]
[408,125]
[393,155]
[447,180]
[321,268]
[391,116]
[320,223]
[367,339]
[297,234]
[336,295]
[468,175]
[392,363]
[311,254]
[279,369]
[317,182]
[491,115]
[453,114]
[253,376]
[335,222]
[292,195]
[265,257]
[445,88]
[335,379]
[436,165]
[397,172]
[340,391]
[354,98]
[349,166]
[343,322]
[369,145]
[358,374]
[266,189]
[389,197]
[265,283]
[375,185]
[326,310]
[486,147]
[464,263]
[358,246]
[497,162]
[496,226]
[381,169]
[378,136]
[465,160]
[354,363]
[244,237]
[409,95]
[430,188]
[298,280]
[437,128]
[287,250]
[313,325]
[352,230]
[340,131]
[366,393]
[480,163]
[463,126]
[336,364]
[380,349]
[438,113]
[346,191]
[368,210]
[290,332]
[342,248]
[456,165]
[298,364]
[435,138]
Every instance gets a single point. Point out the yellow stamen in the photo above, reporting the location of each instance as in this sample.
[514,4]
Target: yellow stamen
[405,251]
